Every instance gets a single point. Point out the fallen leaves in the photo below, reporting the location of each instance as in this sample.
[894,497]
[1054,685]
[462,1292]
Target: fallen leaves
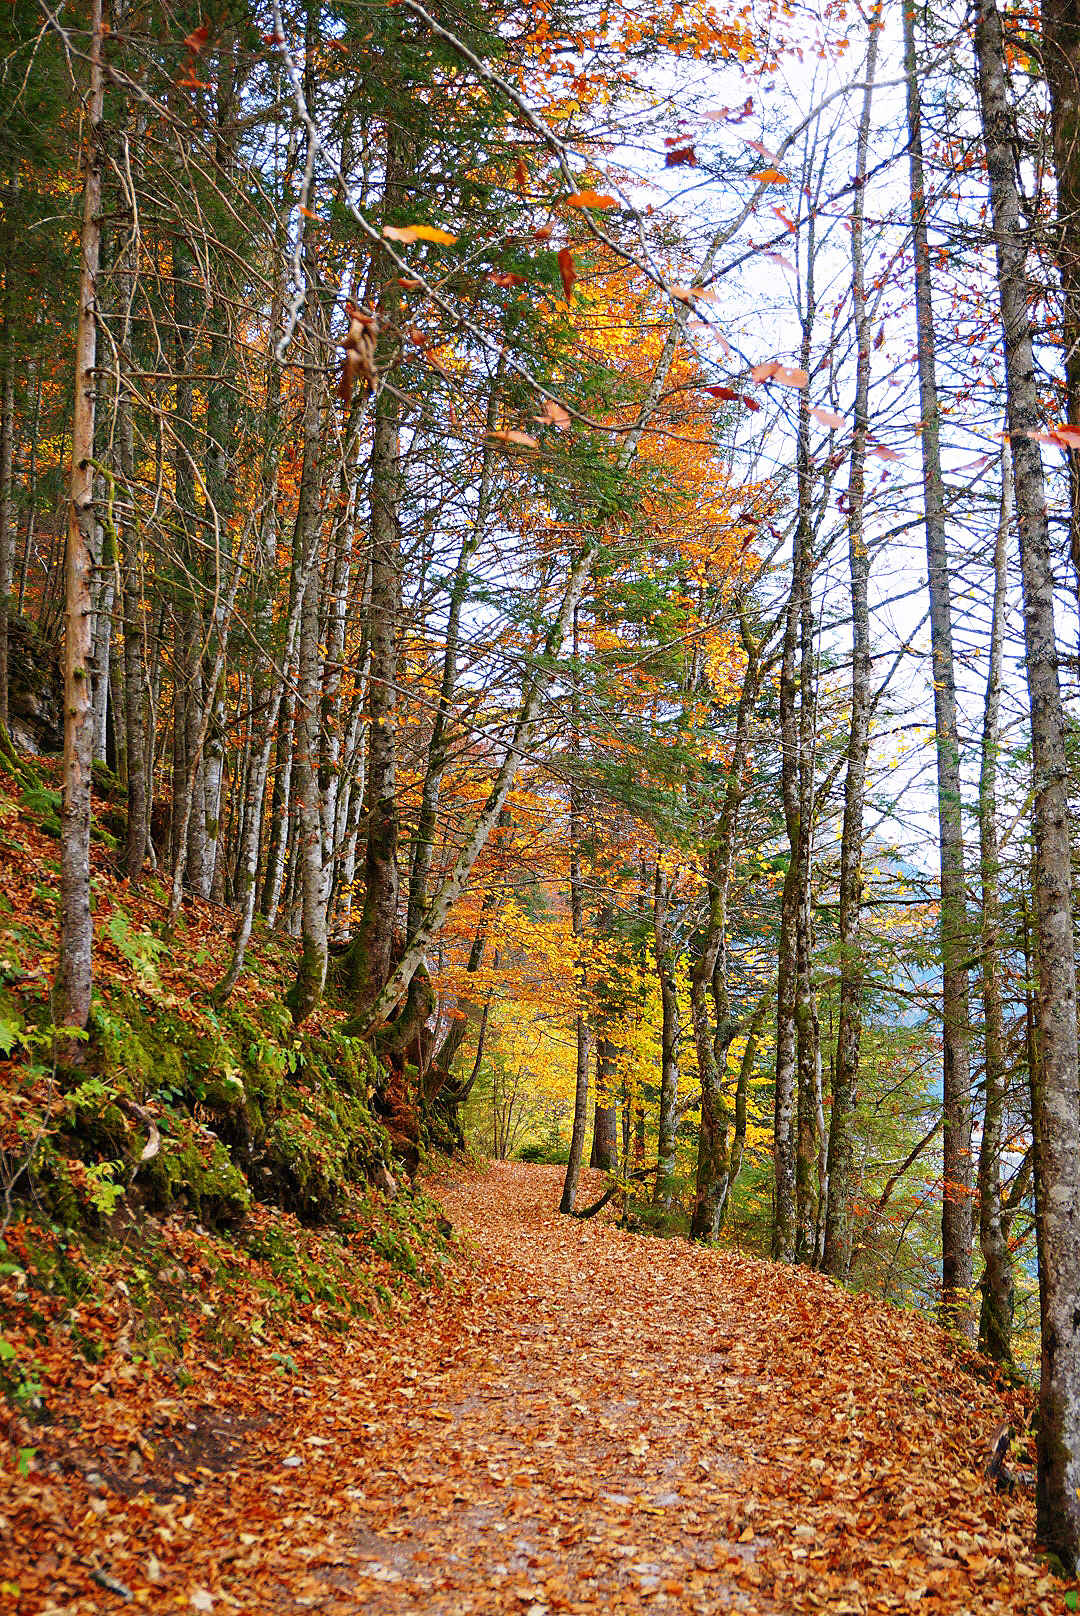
[593,1422]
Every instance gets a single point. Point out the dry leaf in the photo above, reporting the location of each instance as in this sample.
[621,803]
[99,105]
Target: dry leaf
[511,435]
[590,199]
[418,232]
[567,271]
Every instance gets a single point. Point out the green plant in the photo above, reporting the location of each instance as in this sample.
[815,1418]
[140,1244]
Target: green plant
[103,1189]
[141,949]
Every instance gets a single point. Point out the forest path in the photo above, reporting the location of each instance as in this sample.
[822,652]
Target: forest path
[605,1422]
[581,1419]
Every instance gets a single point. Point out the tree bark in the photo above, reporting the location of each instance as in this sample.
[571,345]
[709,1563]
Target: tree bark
[1056,1084]
[75,971]
[311,974]
[664,954]
[838,1216]
[996,1313]
[956,1210]
[1060,40]
[7,427]
[568,1202]
[785,1227]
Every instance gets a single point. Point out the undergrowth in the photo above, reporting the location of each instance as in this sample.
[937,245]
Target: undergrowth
[203,1175]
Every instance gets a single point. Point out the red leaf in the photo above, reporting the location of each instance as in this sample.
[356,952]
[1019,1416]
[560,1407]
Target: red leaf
[763,151]
[682,156]
[827,417]
[196,40]
[505,278]
[521,177]
[883,453]
[721,392]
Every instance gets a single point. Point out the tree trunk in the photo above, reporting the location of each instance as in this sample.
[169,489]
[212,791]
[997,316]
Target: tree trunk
[311,975]
[1056,1085]
[838,1219]
[138,780]
[74,976]
[438,748]
[577,921]
[956,1209]
[1060,56]
[996,1314]
[7,426]
[807,1030]
[605,1145]
[708,975]
[664,952]
[785,1219]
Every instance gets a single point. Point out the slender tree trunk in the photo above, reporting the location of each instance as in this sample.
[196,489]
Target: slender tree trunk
[708,975]
[7,425]
[311,975]
[1060,57]
[74,976]
[1056,1086]
[31,487]
[664,953]
[138,784]
[807,1031]
[956,1211]
[438,748]
[845,1084]
[605,1145]
[996,1315]
[785,1225]
[577,921]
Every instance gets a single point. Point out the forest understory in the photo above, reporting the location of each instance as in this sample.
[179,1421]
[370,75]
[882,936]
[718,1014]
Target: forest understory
[577,1418]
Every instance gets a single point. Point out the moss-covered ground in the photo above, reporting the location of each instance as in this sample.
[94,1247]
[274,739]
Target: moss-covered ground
[203,1175]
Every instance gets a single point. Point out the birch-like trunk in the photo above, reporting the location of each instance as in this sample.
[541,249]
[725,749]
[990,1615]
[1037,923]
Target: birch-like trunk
[956,1201]
[807,1031]
[1060,60]
[785,1225]
[311,975]
[1056,1084]
[75,971]
[996,1313]
[845,1084]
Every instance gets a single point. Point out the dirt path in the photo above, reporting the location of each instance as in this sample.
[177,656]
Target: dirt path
[615,1423]
[585,1421]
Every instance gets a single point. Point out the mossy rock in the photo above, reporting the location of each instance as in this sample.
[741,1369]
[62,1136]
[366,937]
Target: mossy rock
[192,1170]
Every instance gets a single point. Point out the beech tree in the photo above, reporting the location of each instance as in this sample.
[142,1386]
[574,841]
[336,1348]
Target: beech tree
[1055,1079]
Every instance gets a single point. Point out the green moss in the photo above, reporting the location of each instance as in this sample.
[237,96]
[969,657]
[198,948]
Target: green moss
[192,1170]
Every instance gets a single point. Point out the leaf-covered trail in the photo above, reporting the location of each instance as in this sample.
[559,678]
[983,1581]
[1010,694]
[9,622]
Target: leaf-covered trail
[609,1422]
[586,1420]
